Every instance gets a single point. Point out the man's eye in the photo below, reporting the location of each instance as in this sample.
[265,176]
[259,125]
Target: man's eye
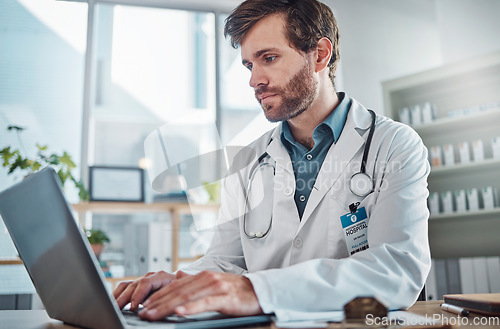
[270,58]
[249,67]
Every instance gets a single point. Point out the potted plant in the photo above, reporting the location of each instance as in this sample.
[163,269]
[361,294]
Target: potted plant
[13,159]
[97,238]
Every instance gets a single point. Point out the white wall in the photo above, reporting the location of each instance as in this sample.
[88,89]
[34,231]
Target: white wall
[386,39]
[383,39]
[468,28]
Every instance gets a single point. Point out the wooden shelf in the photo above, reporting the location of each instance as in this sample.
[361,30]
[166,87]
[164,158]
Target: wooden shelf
[11,261]
[115,281]
[189,259]
[140,207]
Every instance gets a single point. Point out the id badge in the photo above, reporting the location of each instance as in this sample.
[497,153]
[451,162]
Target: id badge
[355,228]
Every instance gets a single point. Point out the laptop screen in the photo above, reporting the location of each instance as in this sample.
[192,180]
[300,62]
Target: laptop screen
[56,254]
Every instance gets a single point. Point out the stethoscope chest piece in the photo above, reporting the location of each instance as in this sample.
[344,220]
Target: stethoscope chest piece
[361,184]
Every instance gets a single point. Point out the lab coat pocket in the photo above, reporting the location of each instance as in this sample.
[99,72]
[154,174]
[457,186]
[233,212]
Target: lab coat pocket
[345,198]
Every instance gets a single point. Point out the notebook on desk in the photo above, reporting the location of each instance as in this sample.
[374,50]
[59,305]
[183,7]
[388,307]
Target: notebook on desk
[487,304]
[64,269]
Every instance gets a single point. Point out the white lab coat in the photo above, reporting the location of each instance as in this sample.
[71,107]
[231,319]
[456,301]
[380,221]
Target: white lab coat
[303,264]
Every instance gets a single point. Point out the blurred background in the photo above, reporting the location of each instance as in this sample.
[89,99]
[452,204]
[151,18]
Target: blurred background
[95,78]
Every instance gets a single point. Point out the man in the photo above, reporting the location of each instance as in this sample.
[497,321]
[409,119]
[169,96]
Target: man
[312,257]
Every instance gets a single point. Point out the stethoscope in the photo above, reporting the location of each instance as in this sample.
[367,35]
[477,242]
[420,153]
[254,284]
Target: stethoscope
[256,167]
[361,184]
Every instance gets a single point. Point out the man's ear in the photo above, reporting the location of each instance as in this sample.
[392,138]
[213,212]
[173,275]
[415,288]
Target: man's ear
[323,53]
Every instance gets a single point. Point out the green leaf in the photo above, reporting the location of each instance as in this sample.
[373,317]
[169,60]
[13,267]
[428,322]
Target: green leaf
[18,162]
[63,176]
[17,128]
[41,147]
[53,159]
[13,160]
[29,164]
[66,160]
[96,236]
[24,164]
[7,155]
[83,193]
[36,166]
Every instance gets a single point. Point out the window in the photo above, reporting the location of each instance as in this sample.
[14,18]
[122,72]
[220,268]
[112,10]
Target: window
[152,66]
[242,118]
[149,67]
[42,46]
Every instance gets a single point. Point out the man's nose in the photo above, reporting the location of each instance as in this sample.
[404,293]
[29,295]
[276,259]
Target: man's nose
[258,77]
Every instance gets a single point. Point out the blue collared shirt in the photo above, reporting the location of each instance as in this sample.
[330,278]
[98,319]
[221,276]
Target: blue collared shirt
[307,163]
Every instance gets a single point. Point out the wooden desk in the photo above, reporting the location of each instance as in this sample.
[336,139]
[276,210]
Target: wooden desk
[40,320]
[175,209]
[431,308]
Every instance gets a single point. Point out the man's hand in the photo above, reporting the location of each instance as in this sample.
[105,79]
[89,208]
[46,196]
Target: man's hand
[207,291]
[135,292]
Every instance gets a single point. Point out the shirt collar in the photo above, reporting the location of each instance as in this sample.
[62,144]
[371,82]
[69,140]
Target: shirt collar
[334,122]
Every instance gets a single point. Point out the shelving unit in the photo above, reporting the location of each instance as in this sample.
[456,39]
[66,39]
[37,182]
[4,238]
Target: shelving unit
[461,169]
[475,84]
[174,209]
[447,125]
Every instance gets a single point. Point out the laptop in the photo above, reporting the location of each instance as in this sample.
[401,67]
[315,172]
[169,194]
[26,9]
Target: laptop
[63,268]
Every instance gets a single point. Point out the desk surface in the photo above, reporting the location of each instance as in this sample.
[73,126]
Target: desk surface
[40,320]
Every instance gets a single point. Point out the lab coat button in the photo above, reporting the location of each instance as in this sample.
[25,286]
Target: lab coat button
[288,191]
[297,242]
[309,157]
[302,198]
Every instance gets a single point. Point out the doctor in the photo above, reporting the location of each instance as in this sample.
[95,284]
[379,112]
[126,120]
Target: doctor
[333,226]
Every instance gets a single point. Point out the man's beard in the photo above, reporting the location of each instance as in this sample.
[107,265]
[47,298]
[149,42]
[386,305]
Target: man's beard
[296,96]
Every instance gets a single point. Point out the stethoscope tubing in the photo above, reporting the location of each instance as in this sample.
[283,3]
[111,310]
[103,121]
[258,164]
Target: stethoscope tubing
[362,175]
[253,171]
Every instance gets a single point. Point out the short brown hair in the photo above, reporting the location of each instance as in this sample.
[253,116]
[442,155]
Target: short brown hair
[307,21]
